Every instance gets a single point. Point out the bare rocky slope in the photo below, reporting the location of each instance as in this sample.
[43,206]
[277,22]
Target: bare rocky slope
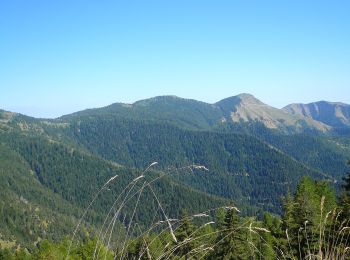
[334,114]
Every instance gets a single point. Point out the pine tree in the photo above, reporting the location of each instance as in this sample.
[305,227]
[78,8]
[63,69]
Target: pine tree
[345,196]
[269,241]
[185,235]
[304,217]
[231,242]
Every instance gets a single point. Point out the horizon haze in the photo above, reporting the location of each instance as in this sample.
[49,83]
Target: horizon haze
[58,58]
[40,111]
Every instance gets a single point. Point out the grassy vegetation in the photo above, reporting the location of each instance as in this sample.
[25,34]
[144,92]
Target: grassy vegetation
[313,226]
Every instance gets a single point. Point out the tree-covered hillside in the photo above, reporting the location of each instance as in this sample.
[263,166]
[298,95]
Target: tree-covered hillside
[30,211]
[240,166]
[325,153]
[46,186]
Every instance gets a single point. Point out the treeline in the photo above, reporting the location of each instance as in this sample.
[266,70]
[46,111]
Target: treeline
[314,225]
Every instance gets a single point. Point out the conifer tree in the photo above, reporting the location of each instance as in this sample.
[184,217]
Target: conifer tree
[184,235]
[304,217]
[231,242]
[345,196]
[269,242]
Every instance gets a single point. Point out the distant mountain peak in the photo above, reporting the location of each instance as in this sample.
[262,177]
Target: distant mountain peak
[241,98]
[165,98]
[230,104]
[250,100]
[6,116]
[247,96]
[246,108]
[335,114]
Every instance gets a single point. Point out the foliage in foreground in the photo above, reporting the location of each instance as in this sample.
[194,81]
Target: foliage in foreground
[313,226]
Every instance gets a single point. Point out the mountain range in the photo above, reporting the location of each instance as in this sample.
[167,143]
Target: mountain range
[254,154]
[295,118]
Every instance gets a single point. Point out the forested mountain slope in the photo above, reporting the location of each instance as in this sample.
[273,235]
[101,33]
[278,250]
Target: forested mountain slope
[46,185]
[30,211]
[326,153]
[240,166]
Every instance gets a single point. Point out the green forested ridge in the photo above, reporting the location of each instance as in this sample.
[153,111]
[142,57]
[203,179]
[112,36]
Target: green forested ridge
[186,113]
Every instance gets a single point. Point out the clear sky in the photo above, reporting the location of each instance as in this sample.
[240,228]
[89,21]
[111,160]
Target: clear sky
[58,57]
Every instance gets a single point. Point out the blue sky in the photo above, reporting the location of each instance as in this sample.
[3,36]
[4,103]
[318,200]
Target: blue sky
[58,57]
